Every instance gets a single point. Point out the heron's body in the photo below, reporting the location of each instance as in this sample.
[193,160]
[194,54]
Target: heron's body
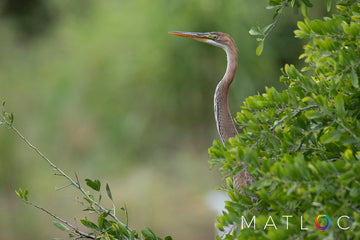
[225,124]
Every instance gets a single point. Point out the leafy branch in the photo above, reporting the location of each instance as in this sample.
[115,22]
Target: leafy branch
[106,228]
[280,6]
[265,32]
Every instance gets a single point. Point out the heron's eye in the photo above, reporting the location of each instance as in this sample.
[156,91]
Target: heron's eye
[213,36]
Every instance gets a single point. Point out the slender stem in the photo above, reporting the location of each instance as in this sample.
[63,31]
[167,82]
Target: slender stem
[75,229]
[275,22]
[60,188]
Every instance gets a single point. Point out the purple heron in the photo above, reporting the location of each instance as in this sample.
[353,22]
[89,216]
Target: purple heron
[224,122]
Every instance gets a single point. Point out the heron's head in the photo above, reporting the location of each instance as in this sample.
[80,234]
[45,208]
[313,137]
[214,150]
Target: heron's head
[218,39]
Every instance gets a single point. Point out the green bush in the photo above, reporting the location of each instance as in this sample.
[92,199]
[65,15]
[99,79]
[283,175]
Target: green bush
[301,144]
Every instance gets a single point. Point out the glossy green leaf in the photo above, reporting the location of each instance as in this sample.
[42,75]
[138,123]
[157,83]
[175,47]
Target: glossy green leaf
[301,25]
[10,116]
[354,78]
[330,136]
[61,226]
[339,105]
[19,193]
[108,192]
[101,221]
[255,31]
[148,233]
[260,48]
[89,224]
[313,114]
[93,184]
[26,193]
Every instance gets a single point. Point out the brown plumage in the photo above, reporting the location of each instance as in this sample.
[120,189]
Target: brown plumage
[224,122]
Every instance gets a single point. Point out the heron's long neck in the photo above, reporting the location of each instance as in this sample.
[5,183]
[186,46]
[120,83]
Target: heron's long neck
[224,122]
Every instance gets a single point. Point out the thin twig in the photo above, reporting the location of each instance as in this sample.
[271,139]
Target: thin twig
[275,22]
[60,188]
[75,229]
[332,159]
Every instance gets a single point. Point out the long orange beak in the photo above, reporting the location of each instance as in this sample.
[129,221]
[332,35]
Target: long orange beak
[194,35]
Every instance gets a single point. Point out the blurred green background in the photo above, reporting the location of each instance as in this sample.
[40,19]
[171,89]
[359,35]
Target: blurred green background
[104,91]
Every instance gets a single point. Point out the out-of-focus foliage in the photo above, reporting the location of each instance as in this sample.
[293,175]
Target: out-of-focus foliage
[104,91]
[302,144]
[29,18]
